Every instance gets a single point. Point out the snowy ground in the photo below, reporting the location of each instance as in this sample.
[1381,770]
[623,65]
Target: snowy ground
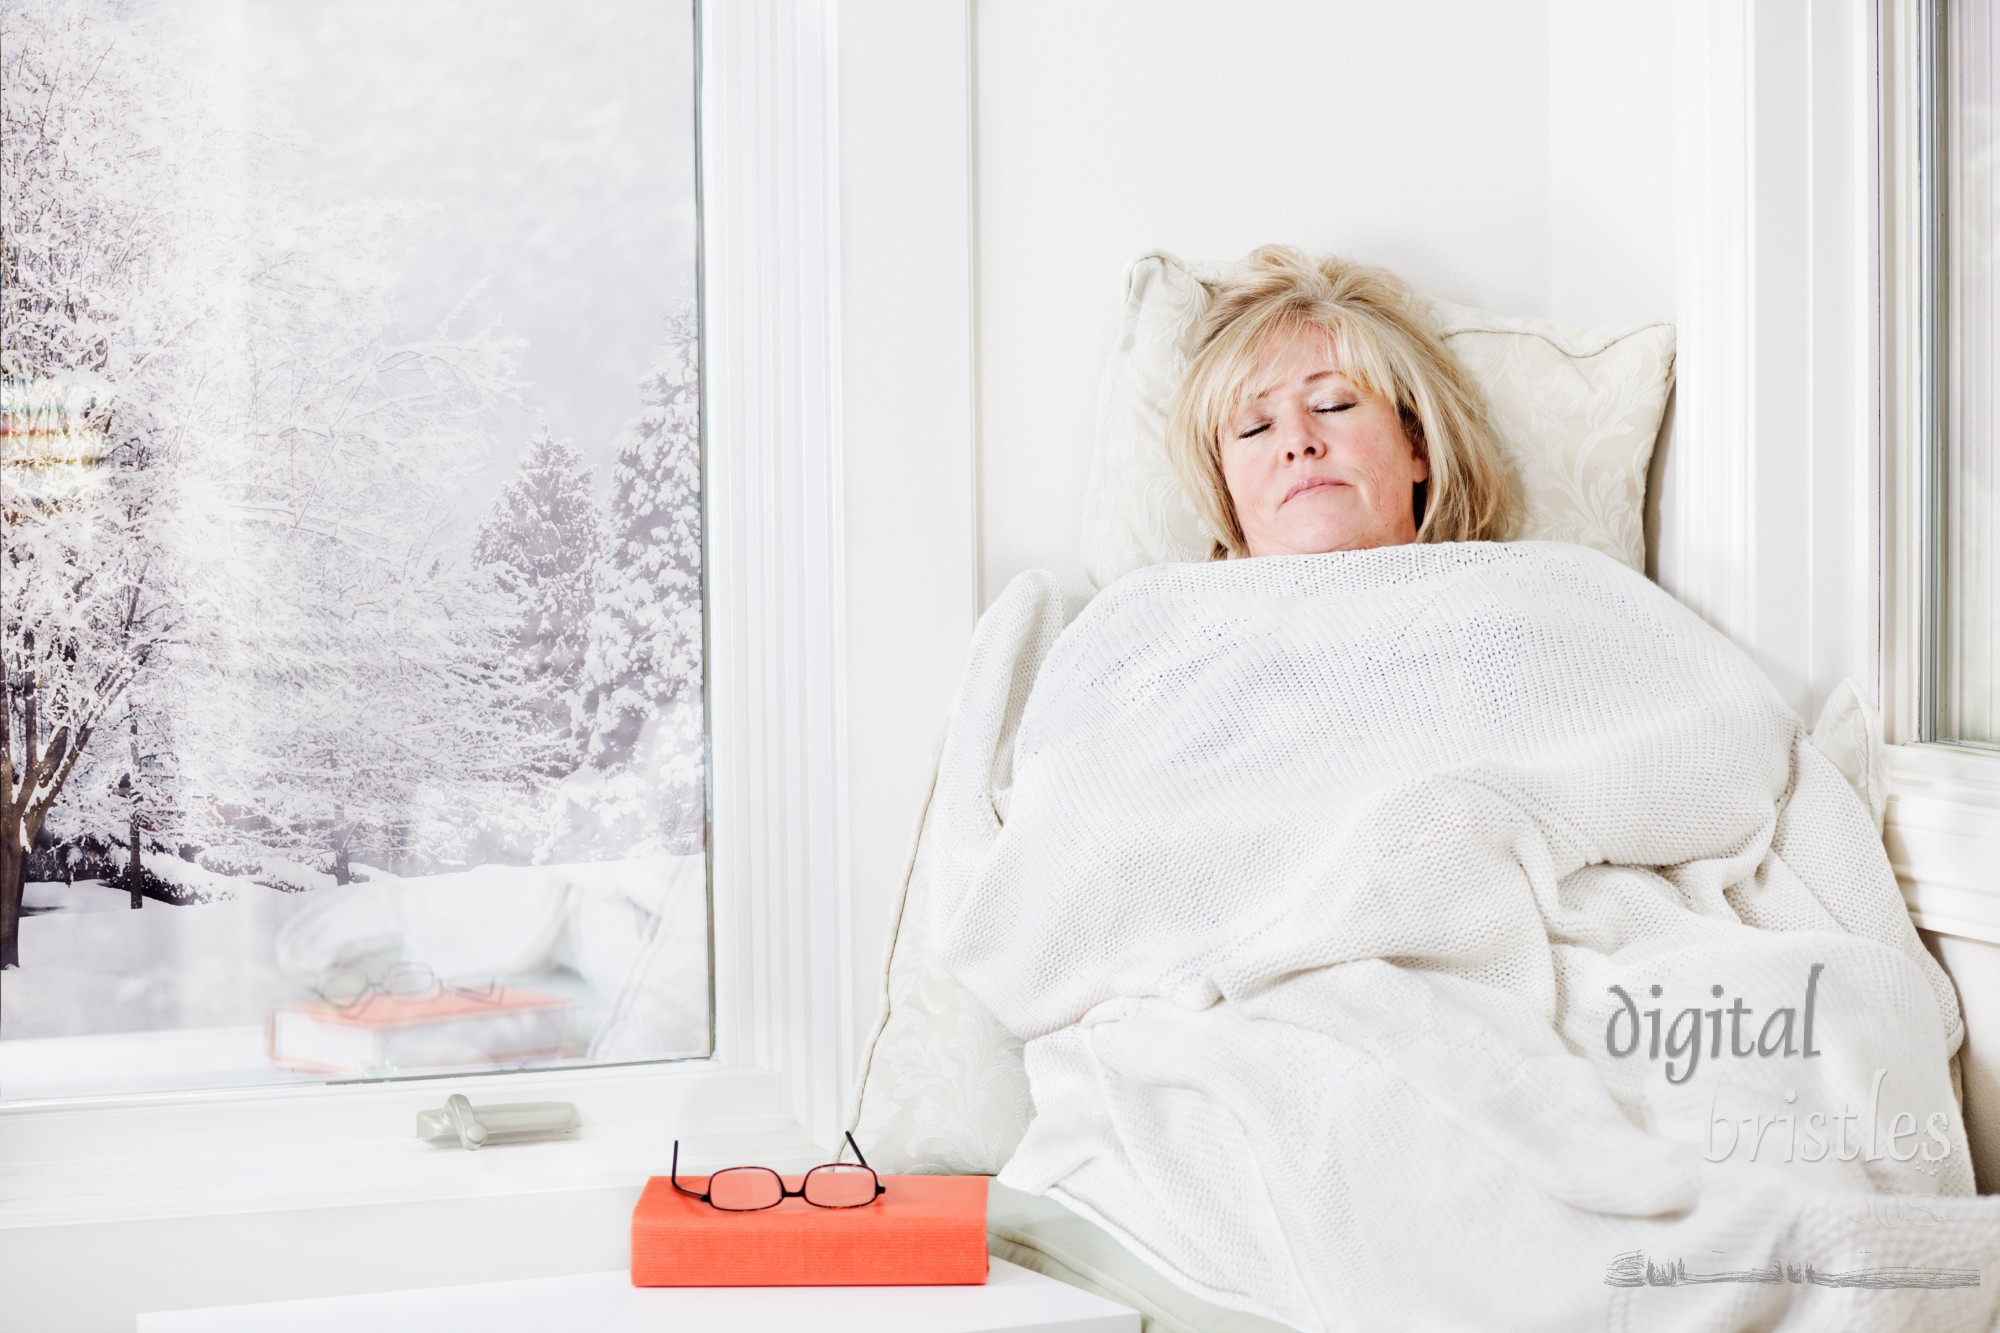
[90,964]
[108,999]
[86,895]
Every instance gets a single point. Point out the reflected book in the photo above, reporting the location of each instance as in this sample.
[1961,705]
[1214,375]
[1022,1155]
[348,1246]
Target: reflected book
[390,1032]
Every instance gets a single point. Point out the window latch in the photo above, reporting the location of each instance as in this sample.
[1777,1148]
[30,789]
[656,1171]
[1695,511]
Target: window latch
[469,1126]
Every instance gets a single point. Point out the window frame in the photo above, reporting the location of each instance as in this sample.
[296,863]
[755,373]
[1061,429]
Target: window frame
[1943,831]
[782,986]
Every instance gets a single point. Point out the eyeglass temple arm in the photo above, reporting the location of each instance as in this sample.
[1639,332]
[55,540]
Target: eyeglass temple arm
[674,1175]
[880,1188]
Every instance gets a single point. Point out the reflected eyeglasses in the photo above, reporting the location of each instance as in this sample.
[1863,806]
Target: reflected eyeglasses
[750,1189]
[347,987]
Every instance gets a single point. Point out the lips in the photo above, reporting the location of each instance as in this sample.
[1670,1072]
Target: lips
[1304,484]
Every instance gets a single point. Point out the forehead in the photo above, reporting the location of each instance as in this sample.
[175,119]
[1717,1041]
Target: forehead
[1289,358]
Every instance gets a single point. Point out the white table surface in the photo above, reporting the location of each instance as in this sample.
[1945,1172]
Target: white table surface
[1013,1300]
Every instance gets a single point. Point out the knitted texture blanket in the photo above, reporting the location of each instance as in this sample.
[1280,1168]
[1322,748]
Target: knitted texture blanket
[1452,936]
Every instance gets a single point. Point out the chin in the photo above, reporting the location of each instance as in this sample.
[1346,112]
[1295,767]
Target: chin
[1326,539]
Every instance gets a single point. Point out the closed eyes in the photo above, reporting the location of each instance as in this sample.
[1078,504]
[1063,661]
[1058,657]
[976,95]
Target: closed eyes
[1263,426]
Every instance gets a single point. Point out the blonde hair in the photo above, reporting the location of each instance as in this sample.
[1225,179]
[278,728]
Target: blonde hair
[1384,344]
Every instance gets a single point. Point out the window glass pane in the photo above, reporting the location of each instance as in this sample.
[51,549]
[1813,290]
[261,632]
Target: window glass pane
[351,557]
[1969,695]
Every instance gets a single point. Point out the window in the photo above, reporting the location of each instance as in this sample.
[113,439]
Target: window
[777,528]
[1933,604]
[1963,636]
[352,572]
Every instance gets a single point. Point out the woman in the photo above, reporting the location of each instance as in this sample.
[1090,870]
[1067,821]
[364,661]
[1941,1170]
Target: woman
[1321,413]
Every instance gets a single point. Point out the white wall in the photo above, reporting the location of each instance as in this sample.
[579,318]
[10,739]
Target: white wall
[1613,238]
[1614,243]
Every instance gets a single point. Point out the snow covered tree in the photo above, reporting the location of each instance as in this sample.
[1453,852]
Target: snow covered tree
[365,699]
[406,736]
[232,587]
[641,787]
[541,543]
[103,269]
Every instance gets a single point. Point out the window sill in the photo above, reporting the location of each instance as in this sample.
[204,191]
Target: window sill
[1943,836]
[332,1145]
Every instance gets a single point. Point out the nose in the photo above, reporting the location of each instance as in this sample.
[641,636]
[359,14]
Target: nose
[1298,439]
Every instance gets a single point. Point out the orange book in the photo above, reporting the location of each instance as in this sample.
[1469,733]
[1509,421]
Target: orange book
[926,1231]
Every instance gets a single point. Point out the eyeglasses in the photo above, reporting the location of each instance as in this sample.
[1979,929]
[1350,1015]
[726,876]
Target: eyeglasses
[750,1189]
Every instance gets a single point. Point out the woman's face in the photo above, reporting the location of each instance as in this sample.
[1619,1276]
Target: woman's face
[1315,464]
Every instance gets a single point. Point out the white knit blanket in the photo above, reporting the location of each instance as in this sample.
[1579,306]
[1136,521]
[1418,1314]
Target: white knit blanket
[1315,887]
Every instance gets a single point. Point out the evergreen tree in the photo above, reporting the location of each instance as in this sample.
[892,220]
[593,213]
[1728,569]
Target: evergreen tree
[641,786]
[542,544]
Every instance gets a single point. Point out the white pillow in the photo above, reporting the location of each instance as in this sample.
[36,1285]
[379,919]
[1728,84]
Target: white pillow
[942,1086]
[1576,412]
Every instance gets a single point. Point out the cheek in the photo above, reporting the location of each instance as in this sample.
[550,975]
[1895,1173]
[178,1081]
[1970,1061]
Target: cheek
[1383,453]
[1243,477]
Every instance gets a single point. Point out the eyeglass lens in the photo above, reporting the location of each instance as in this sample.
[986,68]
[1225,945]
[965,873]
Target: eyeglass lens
[839,1186]
[411,981]
[344,986]
[745,1189]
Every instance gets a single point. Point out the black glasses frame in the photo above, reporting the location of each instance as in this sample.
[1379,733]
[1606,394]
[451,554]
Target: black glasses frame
[783,1193]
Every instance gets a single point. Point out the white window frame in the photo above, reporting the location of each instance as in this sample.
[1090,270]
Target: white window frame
[1944,834]
[1797,414]
[777,1084]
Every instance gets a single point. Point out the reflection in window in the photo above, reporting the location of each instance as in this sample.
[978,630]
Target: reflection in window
[351,576]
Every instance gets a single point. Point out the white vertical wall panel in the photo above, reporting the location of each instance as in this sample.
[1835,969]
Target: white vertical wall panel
[1703,556]
[906,414]
[1770,508]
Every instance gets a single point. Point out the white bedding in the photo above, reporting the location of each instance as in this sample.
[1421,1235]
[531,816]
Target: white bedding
[1306,882]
